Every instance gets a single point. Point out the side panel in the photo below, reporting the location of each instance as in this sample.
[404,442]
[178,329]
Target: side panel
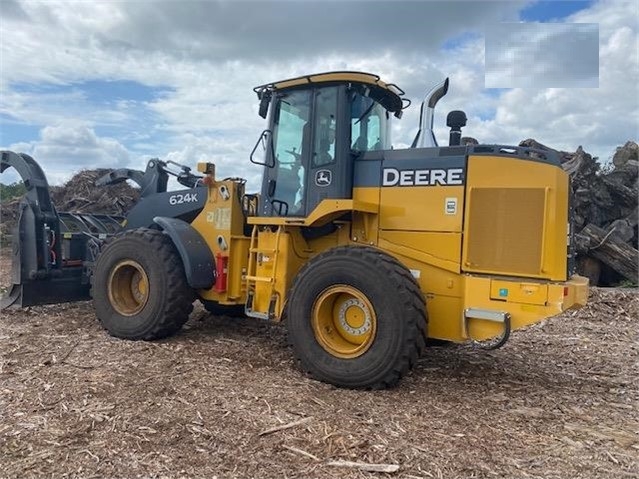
[422,208]
[442,250]
[443,291]
[221,224]
[516,218]
[420,189]
[420,194]
[182,204]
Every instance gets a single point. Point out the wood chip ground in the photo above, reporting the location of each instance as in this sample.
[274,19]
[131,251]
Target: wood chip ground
[225,399]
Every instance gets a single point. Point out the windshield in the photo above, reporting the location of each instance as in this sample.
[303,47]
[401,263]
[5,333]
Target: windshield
[370,124]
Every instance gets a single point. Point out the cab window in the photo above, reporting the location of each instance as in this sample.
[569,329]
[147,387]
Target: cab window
[324,121]
[370,124]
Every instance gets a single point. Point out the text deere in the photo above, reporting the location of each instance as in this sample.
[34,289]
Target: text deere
[428,177]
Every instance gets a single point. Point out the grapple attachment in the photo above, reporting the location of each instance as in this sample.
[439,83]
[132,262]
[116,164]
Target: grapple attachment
[50,250]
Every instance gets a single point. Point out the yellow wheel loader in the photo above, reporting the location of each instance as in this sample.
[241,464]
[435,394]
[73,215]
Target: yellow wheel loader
[365,251]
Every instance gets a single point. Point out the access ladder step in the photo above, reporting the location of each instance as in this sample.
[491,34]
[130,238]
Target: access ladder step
[260,279]
[263,250]
[251,313]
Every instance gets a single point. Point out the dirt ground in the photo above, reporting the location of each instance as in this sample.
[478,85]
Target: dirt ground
[559,401]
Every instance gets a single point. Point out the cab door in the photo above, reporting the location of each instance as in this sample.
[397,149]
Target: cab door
[330,168]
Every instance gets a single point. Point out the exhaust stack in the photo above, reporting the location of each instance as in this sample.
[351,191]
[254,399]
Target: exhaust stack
[425,137]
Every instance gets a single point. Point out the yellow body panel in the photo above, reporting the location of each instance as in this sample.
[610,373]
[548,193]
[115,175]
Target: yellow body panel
[437,249]
[222,218]
[528,293]
[421,208]
[443,294]
[516,218]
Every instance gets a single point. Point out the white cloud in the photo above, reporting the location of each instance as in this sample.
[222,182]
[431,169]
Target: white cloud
[50,107]
[222,152]
[66,148]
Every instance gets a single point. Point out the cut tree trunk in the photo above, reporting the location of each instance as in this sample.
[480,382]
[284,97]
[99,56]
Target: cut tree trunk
[590,268]
[609,249]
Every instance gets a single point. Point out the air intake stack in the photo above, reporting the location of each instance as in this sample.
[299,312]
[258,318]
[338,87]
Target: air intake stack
[455,120]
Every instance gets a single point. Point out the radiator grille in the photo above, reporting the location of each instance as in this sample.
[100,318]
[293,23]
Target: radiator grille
[505,230]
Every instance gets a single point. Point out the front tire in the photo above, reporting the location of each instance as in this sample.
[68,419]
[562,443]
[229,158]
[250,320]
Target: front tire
[356,318]
[139,287]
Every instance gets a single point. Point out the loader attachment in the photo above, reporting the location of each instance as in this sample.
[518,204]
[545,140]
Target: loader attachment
[154,179]
[50,251]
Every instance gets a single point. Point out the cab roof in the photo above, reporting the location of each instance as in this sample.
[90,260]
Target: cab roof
[389,95]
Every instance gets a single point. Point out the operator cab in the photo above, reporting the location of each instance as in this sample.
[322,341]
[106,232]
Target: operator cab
[318,124]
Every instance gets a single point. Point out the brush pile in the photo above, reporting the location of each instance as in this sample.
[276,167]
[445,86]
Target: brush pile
[78,195]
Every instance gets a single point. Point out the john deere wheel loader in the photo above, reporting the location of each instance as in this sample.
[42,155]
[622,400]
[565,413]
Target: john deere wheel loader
[365,251]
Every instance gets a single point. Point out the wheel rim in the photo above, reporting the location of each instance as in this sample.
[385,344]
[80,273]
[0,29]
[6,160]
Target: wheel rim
[128,288]
[344,321]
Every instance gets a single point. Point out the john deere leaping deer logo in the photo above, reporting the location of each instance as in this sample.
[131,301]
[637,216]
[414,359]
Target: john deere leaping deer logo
[323,178]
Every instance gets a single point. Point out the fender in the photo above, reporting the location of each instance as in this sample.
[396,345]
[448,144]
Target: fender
[197,258]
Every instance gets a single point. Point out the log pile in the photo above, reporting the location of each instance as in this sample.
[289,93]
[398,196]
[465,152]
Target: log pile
[605,212]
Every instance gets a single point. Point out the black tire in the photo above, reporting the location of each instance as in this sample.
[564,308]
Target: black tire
[399,314]
[168,300]
[217,309]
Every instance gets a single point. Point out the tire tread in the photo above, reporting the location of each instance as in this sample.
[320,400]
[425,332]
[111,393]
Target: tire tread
[178,301]
[410,295]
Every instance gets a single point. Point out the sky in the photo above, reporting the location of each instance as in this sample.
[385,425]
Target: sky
[112,84]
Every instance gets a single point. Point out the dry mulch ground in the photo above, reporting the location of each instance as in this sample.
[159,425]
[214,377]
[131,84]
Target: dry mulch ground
[559,401]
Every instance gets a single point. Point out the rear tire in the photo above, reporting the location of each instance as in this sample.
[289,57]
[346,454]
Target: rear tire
[356,318]
[139,286]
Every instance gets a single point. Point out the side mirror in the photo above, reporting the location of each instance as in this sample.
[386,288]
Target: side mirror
[263,153]
[265,100]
